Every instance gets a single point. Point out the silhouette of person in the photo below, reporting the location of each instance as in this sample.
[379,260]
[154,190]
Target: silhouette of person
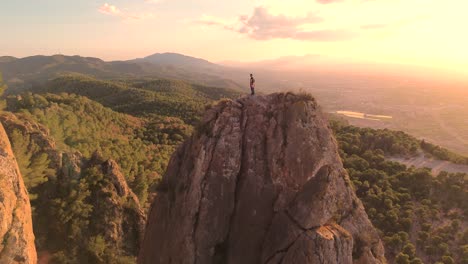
[252,84]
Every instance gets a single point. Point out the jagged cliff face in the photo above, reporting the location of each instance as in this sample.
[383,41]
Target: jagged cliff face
[259,182]
[16,232]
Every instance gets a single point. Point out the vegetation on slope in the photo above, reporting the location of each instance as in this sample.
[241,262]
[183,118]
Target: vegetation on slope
[48,124]
[142,147]
[140,97]
[2,91]
[396,143]
[422,219]
[21,73]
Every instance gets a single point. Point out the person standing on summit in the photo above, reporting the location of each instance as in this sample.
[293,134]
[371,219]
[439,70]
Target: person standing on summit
[252,84]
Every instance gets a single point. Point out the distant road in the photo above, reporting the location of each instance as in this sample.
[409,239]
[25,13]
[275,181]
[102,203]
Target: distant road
[435,165]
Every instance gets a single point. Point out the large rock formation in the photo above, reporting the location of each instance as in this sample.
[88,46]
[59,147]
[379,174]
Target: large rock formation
[16,232]
[259,182]
[117,215]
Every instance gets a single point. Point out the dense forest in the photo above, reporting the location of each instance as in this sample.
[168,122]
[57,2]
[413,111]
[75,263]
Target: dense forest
[42,127]
[66,131]
[142,97]
[422,219]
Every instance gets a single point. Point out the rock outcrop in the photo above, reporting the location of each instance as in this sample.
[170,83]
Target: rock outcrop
[260,181]
[37,134]
[117,215]
[16,232]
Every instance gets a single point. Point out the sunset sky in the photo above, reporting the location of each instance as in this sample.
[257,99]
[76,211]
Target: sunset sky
[415,32]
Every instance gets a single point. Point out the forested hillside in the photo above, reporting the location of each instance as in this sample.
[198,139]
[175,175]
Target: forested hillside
[422,219]
[92,153]
[62,143]
[142,97]
[22,73]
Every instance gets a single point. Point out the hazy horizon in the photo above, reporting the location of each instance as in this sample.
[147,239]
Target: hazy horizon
[415,32]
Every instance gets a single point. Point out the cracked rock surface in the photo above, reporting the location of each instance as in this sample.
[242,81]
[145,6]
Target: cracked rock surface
[260,181]
[16,232]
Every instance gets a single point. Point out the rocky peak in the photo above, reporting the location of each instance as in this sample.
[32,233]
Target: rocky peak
[16,232]
[112,170]
[260,181]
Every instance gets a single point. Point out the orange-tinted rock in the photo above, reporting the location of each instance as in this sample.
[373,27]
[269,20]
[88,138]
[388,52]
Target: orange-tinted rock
[16,232]
[261,181]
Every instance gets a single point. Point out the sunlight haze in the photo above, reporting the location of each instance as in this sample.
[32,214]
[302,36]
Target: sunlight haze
[412,32]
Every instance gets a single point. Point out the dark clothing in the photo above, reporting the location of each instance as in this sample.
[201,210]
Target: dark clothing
[252,85]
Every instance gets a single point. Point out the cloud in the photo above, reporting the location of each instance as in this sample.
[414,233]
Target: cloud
[262,25]
[109,10]
[153,1]
[112,10]
[218,22]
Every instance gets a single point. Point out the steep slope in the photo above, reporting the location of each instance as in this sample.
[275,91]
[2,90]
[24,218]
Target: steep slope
[16,231]
[259,182]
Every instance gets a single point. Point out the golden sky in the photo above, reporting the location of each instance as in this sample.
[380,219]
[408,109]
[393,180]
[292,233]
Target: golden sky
[416,32]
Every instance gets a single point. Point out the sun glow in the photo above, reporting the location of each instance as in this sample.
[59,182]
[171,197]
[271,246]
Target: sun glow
[428,33]
[414,32]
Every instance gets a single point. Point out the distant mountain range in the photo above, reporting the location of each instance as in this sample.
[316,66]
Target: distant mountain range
[293,72]
[20,73]
[179,60]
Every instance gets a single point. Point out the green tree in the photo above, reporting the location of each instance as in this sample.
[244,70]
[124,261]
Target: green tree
[409,249]
[448,260]
[33,164]
[96,248]
[3,87]
[402,259]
